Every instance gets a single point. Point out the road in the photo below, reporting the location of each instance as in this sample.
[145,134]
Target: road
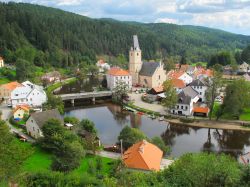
[6,114]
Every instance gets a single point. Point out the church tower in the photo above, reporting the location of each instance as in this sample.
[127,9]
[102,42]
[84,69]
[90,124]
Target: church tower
[135,62]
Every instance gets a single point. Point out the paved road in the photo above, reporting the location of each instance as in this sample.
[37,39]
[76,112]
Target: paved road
[138,102]
[6,114]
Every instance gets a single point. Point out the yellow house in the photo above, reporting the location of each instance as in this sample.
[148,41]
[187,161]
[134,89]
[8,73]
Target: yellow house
[20,111]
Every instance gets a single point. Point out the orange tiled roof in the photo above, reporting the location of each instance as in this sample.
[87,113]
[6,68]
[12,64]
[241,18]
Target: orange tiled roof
[159,89]
[175,74]
[11,85]
[203,71]
[24,107]
[118,72]
[177,83]
[201,110]
[143,155]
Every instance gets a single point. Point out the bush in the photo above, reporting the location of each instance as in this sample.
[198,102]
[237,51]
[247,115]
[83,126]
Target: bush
[99,164]
[187,120]
[91,167]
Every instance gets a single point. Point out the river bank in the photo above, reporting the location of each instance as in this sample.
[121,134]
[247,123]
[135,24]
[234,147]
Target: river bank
[195,122]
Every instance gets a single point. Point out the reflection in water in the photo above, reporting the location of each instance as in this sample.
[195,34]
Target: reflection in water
[110,119]
[86,85]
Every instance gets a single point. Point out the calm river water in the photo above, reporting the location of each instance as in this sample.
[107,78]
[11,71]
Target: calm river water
[110,119]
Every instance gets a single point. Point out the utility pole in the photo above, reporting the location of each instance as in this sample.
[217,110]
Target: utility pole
[121,148]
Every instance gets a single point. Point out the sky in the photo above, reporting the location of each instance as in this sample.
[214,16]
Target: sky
[228,15]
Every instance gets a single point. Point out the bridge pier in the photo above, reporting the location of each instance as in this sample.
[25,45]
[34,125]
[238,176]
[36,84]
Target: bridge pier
[93,100]
[72,102]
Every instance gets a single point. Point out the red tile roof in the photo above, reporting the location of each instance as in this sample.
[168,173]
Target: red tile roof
[24,107]
[201,110]
[11,85]
[143,155]
[175,74]
[158,89]
[177,83]
[118,72]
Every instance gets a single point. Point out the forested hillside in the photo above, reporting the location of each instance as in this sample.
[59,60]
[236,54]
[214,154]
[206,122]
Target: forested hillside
[43,35]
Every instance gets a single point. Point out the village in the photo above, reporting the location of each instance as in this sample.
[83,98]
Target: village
[140,89]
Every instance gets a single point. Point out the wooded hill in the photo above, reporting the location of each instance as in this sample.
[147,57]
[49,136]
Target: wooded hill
[46,35]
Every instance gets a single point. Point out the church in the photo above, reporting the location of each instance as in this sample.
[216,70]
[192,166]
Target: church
[145,74]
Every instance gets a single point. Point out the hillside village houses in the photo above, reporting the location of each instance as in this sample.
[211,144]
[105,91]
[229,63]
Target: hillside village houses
[28,94]
[20,111]
[51,77]
[145,74]
[181,75]
[102,66]
[244,68]
[1,62]
[6,89]
[115,75]
[37,120]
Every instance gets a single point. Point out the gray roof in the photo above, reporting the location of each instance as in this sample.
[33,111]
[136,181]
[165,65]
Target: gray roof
[42,117]
[136,43]
[148,68]
[185,96]
[197,82]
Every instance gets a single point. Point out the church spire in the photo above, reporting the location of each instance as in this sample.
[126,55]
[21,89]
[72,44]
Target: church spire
[136,43]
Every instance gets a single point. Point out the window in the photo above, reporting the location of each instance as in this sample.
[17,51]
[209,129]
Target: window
[200,93]
[186,107]
[38,130]
[177,106]
[181,107]
[159,77]
[33,128]
[137,54]
[32,121]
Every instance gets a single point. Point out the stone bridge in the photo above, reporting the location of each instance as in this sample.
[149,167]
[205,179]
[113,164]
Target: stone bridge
[85,95]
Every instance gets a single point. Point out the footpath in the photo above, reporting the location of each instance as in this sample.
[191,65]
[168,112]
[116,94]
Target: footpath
[199,122]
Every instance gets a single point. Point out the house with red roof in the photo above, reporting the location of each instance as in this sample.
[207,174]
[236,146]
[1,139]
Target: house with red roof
[143,156]
[102,65]
[6,89]
[115,75]
[181,75]
[20,111]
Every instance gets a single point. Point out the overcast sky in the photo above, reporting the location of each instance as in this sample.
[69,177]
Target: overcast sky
[229,15]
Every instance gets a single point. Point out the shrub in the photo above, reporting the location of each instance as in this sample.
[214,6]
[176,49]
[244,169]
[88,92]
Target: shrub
[187,120]
[99,164]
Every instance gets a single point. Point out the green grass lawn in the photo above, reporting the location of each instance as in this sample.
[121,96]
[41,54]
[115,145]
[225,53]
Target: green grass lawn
[107,164]
[41,161]
[246,115]
[204,64]
[4,80]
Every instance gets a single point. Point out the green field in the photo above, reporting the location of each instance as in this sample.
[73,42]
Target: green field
[4,80]
[52,87]
[40,161]
[246,115]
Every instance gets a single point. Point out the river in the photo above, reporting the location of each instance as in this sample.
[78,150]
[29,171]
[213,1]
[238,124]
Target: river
[109,120]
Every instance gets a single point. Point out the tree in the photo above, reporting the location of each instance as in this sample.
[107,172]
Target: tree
[12,154]
[245,55]
[169,63]
[130,136]
[120,91]
[65,145]
[24,70]
[171,96]
[72,120]
[183,60]
[223,58]
[202,169]
[237,98]
[88,125]
[212,92]
[160,143]
[93,69]
[54,102]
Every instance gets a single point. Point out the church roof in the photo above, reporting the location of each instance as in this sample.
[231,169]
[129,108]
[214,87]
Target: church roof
[149,68]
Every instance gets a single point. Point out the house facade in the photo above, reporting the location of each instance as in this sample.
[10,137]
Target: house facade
[37,120]
[1,62]
[185,104]
[146,74]
[115,75]
[200,87]
[29,94]
[244,68]
[6,89]
[102,66]
[51,77]
[20,111]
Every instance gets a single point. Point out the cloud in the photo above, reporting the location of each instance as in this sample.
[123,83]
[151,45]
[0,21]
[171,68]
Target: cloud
[230,15]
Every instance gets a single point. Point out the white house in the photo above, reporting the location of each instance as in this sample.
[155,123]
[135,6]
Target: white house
[115,75]
[30,94]
[186,99]
[37,120]
[200,87]
[102,65]
[180,75]
[1,62]
[244,68]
